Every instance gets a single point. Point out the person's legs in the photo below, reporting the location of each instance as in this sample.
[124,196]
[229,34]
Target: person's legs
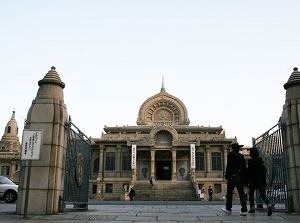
[229,194]
[251,198]
[240,188]
[262,192]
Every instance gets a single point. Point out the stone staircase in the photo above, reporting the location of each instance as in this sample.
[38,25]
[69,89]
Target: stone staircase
[165,191]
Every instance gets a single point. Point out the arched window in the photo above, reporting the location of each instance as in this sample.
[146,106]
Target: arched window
[8,129]
[96,165]
[163,138]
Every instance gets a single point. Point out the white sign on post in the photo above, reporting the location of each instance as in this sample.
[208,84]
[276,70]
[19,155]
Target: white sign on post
[31,144]
[133,156]
[193,159]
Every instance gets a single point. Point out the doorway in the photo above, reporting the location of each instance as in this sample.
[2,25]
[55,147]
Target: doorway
[163,170]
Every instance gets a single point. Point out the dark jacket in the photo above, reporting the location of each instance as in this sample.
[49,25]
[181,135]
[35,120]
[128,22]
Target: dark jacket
[236,164]
[132,193]
[256,173]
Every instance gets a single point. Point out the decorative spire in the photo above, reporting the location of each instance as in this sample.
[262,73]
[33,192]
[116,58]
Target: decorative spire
[163,85]
[11,130]
[293,80]
[13,116]
[52,77]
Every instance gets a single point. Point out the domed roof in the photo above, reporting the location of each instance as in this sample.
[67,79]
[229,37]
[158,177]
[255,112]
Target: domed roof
[163,108]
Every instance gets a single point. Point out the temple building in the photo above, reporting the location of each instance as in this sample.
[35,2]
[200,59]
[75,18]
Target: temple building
[162,146]
[10,150]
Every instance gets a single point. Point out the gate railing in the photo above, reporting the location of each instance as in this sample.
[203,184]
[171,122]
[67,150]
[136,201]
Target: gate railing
[270,147]
[77,170]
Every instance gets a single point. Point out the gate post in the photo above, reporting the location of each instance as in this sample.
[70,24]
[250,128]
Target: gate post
[291,138]
[48,113]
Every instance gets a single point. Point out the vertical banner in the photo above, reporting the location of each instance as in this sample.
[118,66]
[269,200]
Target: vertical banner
[193,159]
[133,156]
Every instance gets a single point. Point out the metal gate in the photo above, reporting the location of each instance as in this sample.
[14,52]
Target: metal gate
[270,147]
[77,168]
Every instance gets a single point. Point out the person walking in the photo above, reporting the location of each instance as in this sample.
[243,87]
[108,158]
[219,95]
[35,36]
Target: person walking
[131,194]
[236,176]
[257,180]
[151,181]
[210,193]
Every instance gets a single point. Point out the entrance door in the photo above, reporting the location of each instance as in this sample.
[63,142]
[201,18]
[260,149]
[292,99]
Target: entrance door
[163,170]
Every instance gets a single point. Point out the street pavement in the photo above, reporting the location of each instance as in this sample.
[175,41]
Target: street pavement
[139,212]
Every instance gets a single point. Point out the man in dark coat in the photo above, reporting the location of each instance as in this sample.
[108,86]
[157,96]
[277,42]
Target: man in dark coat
[257,180]
[210,193]
[236,176]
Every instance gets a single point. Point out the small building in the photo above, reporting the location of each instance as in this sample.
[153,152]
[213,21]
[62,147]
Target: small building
[10,150]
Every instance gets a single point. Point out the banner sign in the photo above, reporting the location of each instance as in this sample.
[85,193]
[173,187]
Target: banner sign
[31,144]
[133,156]
[193,159]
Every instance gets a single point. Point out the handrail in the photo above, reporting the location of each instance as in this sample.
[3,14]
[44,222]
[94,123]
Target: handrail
[193,178]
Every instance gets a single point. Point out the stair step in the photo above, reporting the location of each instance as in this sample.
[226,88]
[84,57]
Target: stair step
[165,191]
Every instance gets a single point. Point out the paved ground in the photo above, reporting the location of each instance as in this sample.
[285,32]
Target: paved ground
[139,212]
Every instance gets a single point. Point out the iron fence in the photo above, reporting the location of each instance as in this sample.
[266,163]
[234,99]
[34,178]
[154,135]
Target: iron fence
[77,168]
[270,147]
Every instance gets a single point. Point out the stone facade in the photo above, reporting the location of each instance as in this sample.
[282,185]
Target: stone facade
[10,151]
[160,146]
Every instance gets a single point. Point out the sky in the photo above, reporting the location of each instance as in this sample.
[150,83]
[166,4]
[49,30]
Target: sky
[227,61]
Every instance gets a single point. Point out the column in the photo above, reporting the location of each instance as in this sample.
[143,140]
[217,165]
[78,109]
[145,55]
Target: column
[225,148]
[100,179]
[174,170]
[13,168]
[208,159]
[152,163]
[118,161]
[102,161]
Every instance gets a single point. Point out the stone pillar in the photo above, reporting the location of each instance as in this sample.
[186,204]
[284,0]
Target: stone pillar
[152,163]
[100,187]
[225,153]
[174,152]
[118,161]
[13,167]
[48,112]
[101,164]
[291,138]
[208,159]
